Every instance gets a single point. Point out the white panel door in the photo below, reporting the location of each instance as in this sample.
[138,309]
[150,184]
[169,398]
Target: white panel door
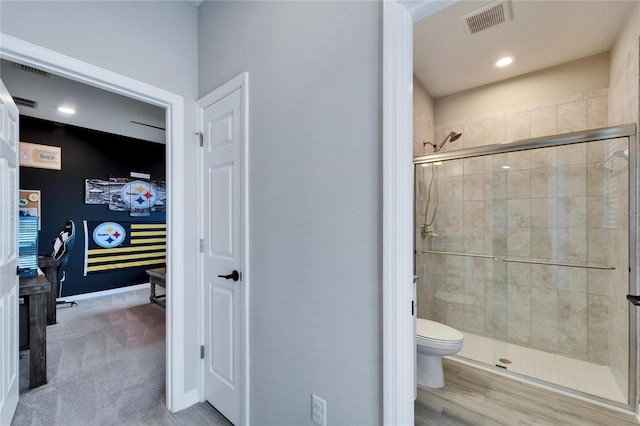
[222,199]
[8,256]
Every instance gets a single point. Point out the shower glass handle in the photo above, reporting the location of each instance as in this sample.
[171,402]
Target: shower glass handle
[232,276]
[633,299]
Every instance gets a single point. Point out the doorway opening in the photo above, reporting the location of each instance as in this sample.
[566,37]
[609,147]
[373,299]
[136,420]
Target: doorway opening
[18,51]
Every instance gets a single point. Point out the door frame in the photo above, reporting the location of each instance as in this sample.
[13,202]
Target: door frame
[240,82]
[18,50]
[398,339]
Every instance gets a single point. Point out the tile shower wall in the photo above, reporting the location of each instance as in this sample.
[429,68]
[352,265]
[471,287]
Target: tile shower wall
[573,113]
[551,204]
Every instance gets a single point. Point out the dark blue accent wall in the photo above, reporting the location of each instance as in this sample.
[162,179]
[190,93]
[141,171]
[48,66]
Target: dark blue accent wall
[86,154]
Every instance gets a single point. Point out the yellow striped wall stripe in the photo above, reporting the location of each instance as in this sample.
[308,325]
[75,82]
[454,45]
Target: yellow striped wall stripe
[124,265]
[148,240]
[148,226]
[147,233]
[125,257]
[127,249]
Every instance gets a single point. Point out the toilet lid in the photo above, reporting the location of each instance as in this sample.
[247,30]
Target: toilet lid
[436,331]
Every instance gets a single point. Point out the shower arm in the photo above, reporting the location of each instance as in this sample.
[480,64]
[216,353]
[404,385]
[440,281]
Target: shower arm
[443,142]
[453,136]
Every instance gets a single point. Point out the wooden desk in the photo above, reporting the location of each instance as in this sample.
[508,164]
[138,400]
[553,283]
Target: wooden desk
[157,276]
[50,267]
[34,291]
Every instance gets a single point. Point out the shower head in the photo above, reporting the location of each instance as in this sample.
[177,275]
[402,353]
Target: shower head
[451,137]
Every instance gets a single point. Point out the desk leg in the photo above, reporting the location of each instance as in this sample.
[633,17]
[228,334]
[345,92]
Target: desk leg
[52,276]
[152,296]
[37,306]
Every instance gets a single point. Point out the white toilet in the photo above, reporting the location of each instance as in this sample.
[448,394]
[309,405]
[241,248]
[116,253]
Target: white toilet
[434,340]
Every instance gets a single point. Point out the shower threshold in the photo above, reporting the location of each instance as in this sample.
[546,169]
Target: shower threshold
[552,369]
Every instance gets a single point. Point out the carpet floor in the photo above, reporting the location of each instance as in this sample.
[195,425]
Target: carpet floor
[105,366]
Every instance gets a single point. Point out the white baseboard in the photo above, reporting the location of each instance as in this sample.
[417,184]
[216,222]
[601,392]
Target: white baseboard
[103,293]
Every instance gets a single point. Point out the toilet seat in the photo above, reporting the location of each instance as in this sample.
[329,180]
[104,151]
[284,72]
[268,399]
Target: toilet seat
[436,332]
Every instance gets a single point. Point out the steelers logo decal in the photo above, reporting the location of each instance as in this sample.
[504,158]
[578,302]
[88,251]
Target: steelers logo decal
[109,234]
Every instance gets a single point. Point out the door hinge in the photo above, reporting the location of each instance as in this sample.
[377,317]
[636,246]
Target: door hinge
[412,308]
[201,245]
[201,137]
[202,352]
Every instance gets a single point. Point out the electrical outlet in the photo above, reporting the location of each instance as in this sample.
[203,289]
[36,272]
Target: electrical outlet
[318,410]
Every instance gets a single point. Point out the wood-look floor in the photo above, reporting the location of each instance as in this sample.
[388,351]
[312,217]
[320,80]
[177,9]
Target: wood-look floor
[472,396]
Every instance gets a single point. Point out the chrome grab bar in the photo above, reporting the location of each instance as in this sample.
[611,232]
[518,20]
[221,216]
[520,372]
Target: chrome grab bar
[572,265]
[532,262]
[449,253]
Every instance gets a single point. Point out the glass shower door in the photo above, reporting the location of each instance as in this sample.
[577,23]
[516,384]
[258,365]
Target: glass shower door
[527,254]
[558,220]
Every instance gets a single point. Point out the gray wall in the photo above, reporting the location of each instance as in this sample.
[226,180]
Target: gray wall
[315,194]
[315,172]
[153,42]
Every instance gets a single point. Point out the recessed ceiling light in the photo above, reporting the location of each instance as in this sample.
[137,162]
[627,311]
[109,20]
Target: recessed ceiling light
[507,60]
[66,110]
[506,167]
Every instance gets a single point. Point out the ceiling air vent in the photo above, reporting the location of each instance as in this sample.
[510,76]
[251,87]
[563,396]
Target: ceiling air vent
[487,17]
[32,70]
[25,102]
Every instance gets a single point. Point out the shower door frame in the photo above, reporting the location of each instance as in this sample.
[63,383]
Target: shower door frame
[605,133]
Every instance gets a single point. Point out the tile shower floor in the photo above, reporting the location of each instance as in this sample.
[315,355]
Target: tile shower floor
[593,379]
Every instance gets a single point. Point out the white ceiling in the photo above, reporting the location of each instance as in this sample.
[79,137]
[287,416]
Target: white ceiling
[541,34]
[446,60]
[96,109]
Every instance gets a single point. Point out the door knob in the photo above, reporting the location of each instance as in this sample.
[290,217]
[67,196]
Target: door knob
[232,276]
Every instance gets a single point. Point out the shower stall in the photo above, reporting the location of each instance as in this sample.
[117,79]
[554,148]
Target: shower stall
[528,248]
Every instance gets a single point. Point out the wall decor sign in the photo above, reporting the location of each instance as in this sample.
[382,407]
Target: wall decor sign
[40,156]
[29,204]
[136,195]
[123,245]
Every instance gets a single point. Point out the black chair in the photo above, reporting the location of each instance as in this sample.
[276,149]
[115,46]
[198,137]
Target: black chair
[62,245]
